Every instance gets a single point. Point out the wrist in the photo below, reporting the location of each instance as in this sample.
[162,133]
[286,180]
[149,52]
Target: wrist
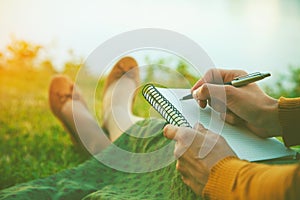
[272,122]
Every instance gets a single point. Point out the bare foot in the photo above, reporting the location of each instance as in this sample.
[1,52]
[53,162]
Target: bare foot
[70,108]
[119,93]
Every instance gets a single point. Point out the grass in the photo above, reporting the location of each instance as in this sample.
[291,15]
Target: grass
[33,144]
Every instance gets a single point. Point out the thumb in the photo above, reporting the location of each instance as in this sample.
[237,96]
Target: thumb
[170,131]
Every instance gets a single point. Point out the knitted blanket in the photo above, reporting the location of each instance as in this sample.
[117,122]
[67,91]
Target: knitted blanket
[95,180]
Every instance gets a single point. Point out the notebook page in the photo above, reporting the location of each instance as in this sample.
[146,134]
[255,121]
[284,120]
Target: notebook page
[244,143]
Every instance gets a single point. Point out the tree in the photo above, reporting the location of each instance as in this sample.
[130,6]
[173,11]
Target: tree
[288,85]
[22,55]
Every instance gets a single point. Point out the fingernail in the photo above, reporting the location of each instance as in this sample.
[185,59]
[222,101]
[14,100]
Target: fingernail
[172,127]
[169,127]
[195,93]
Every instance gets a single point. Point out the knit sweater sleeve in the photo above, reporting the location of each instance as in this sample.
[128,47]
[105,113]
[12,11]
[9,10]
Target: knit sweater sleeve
[289,117]
[232,178]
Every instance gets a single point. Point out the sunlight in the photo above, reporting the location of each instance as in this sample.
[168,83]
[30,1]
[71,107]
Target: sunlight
[263,17]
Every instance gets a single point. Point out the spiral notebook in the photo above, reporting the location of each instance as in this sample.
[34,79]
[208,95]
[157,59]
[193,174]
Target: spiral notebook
[186,113]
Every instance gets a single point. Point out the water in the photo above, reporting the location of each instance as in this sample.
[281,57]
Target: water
[252,35]
[257,36]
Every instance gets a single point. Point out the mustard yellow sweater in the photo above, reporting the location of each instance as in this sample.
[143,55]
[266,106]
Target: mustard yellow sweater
[232,178]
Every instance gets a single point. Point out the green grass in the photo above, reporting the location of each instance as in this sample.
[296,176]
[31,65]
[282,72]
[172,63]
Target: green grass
[33,144]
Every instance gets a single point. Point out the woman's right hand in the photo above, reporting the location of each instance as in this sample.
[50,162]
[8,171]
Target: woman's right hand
[247,105]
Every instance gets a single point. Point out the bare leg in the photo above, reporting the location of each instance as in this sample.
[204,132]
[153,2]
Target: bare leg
[119,94]
[70,108]
[118,116]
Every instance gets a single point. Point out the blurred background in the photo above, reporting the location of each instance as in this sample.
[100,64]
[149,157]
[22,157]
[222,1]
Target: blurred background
[40,38]
[255,35]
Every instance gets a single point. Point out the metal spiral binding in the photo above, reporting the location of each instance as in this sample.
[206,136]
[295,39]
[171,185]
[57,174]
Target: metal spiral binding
[163,106]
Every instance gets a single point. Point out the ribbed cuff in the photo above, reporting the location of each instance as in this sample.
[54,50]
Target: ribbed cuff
[289,117]
[222,178]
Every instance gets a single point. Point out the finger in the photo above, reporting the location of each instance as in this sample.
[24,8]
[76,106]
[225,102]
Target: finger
[209,91]
[210,140]
[218,76]
[228,75]
[232,118]
[198,84]
[180,167]
[170,131]
[259,131]
[179,150]
[202,103]
[186,181]
[218,105]
[211,76]
[184,135]
[214,94]
[199,127]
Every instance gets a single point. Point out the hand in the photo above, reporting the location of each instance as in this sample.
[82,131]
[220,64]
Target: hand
[197,150]
[247,105]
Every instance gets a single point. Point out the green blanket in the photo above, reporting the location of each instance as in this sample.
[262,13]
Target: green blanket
[94,180]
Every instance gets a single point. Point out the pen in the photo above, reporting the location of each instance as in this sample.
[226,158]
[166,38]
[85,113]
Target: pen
[239,81]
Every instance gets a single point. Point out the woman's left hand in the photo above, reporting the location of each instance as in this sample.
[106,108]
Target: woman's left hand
[197,150]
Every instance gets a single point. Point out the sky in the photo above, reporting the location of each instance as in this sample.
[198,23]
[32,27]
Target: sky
[252,35]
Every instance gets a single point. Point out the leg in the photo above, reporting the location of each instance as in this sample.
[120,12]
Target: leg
[70,108]
[119,93]
[93,178]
